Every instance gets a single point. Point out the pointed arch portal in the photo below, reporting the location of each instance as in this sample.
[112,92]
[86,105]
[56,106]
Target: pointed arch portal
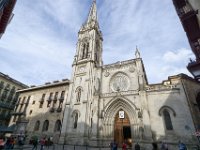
[122,128]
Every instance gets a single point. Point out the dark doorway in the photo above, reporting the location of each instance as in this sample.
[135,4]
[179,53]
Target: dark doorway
[126,132]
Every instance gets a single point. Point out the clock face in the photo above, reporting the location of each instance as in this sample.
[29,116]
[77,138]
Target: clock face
[121,114]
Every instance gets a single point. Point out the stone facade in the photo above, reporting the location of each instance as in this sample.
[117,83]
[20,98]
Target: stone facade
[114,102]
[39,110]
[8,98]
[98,93]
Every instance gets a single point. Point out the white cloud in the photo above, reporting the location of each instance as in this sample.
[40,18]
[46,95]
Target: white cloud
[177,56]
[42,37]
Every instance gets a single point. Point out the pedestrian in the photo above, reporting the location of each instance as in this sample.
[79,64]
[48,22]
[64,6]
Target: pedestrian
[182,146]
[2,143]
[137,146]
[42,143]
[155,146]
[12,142]
[111,145]
[124,146]
[114,146]
[164,146]
[35,143]
[8,143]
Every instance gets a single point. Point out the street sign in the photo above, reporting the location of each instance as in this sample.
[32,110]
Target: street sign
[121,114]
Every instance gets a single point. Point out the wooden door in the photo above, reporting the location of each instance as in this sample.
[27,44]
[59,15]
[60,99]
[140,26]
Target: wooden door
[119,126]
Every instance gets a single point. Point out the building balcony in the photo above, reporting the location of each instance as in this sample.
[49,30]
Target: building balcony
[194,69]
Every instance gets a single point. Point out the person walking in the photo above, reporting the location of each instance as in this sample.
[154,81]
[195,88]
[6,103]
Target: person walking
[124,146]
[182,146]
[42,143]
[137,146]
[164,146]
[35,143]
[155,146]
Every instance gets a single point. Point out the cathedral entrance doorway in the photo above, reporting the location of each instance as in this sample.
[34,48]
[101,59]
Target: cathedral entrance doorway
[122,128]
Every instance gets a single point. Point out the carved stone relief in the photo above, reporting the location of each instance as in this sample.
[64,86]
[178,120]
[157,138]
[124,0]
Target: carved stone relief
[119,82]
[131,69]
[106,74]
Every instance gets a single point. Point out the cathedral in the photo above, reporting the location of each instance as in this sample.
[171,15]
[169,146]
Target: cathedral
[102,103]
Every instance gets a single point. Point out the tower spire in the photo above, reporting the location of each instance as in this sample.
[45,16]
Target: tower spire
[92,16]
[92,19]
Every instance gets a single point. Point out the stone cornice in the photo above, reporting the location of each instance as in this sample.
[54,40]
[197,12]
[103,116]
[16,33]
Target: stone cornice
[122,93]
[119,63]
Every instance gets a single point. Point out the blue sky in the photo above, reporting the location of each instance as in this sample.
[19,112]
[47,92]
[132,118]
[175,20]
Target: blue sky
[40,42]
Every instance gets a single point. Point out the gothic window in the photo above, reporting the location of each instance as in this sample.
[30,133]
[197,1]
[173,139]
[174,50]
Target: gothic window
[57,126]
[37,126]
[75,120]
[167,120]
[78,95]
[198,101]
[85,50]
[91,122]
[45,125]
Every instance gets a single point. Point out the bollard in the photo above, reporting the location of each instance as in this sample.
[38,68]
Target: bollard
[53,146]
[63,146]
[86,147]
[74,147]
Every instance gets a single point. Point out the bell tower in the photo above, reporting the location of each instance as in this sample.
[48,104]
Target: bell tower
[78,121]
[89,46]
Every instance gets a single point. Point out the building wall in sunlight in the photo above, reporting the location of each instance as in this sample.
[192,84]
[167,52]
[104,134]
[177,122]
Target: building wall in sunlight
[39,110]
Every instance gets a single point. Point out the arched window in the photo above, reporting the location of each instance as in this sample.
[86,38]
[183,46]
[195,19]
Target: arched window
[75,120]
[78,95]
[37,126]
[57,126]
[167,119]
[45,125]
[198,100]
[85,50]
